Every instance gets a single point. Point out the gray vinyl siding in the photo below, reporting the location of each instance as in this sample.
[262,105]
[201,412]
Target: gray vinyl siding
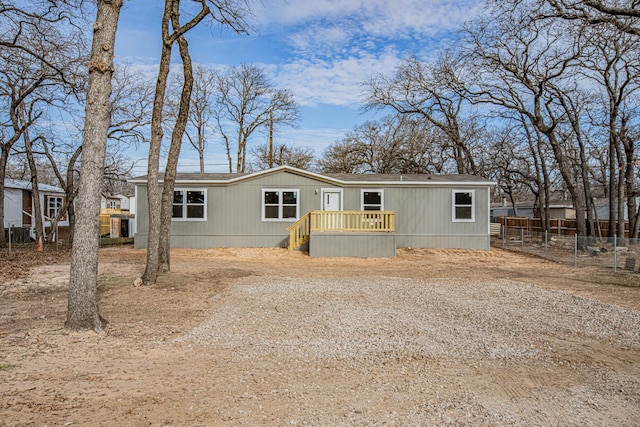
[363,245]
[424,216]
[234,213]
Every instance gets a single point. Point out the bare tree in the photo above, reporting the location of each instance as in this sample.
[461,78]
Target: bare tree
[623,16]
[130,109]
[225,12]
[168,184]
[614,65]
[281,154]
[201,112]
[248,102]
[24,120]
[524,69]
[10,132]
[40,45]
[68,182]
[434,91]
[82,312]
[27,87]
[131,104]
[39,28]
[395,144]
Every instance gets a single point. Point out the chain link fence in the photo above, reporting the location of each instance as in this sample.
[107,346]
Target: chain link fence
[615,253]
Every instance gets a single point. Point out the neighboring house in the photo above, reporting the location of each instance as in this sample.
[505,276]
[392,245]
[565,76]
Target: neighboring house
[601,206]
[262,209]
[117,201]
[562,209]
[116,217]
[125,203]
[18,207]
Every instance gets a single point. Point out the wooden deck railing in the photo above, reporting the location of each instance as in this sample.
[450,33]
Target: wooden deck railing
[350,221]
[299,232]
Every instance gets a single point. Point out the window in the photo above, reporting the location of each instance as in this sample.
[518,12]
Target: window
[189,204]
[280,205]
[463,206]
[372,200]
[53,206]
[113,204]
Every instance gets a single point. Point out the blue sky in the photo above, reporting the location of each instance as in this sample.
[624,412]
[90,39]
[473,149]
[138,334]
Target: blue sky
[320,50]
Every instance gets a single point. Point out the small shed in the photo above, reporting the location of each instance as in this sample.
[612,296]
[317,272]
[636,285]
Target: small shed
[121,225]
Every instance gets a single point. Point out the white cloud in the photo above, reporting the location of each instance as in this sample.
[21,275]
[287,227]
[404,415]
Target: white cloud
[377,17]
[339,44]
[316,138]
[319,39]
[335,82]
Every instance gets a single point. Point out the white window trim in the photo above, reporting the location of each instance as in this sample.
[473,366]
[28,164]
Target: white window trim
[280,190]
[453,205]
[323,191]
[184,204]
[372,190]
[47,198]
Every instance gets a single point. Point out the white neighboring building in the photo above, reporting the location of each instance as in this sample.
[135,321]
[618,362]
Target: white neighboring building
[117,201]
[18,205]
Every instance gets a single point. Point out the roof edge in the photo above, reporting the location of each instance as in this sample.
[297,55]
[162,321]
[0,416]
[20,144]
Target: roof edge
[328,179]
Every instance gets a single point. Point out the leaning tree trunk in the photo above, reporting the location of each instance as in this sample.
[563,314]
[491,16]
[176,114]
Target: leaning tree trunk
[153,188]
[35,191]
[577,194]
[82,311]
[164,248]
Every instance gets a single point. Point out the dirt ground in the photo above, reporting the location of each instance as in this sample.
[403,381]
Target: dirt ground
[146,371]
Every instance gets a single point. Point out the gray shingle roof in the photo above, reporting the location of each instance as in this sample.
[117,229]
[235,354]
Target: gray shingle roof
[403,177]
[344,178]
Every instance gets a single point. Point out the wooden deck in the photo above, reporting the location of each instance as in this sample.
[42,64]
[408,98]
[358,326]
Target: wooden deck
[339,221]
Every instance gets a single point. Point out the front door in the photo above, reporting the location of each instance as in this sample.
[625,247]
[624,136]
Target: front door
[26,208]
[332,201]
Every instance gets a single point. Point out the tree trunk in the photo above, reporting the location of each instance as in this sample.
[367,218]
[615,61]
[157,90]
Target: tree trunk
[35,192]
[3,169]
[577,196]
[171,14]
[616,165]
[201,154]
[69,192]
[612,182]
[153,188]
[164,248]
[82,313]
[630,184]
[241,141]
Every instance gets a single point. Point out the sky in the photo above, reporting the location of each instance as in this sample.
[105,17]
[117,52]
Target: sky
[320,50]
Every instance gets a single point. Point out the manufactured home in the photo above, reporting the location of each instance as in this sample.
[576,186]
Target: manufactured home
[367,215]
[19,208]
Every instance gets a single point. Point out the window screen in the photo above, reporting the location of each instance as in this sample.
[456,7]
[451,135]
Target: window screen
[463,206]
[372,200]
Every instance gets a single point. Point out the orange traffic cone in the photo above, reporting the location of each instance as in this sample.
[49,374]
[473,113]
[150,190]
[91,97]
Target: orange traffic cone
[39,248]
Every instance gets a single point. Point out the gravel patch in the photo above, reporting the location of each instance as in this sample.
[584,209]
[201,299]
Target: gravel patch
[387,317]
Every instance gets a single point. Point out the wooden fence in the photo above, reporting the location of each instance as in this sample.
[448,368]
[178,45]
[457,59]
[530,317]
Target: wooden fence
[558,226]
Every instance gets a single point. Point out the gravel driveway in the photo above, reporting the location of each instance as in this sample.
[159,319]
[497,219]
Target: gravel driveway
[521,354]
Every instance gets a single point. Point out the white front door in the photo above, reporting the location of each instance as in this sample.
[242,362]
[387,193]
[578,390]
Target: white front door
[331,199]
